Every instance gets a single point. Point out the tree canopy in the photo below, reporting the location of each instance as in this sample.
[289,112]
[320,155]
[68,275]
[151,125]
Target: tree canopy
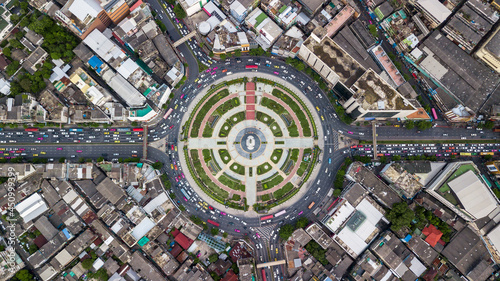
[400,215]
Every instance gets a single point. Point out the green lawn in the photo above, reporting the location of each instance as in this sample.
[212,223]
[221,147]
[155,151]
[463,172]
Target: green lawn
[204,181]
[223,154]
[204,110]
[275,128]
[237,168]
[264,118]
[272,181]
[302,168]
[276,153]
[295,154]
[231,183]
[296,109]
[283,191]
[233,120]
[263,168]
[207,156]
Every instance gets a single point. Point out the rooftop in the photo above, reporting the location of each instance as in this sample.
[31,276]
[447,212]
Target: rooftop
[319,235]
[339,20]
[347,68]
[436,9]
[374,93]
[465,250]
[404,181]
[465,79]
[383,193]
[473,194]
[383,59]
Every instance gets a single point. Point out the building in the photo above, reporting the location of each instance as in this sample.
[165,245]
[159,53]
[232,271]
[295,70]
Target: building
[383,10]
[311,6]
[34,60]
[493,238]
[460,187]
[82,16]
[192,6]
[466,251]
[339,20]
[284,14]
[316,233]
[355,220]
[266,30]
[31,207]
[489,52]
[386,64]
[402,262]
[468,26]
[473,194]
[494,168]
[288,45]
[213,242]
[433,11]
[464,83]
[116,10]
[369,267]
[403,182]
[238,11]
[432,235]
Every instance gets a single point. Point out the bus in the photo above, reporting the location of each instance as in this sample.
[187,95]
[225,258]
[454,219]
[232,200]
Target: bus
[252,67]
[264,275]
[266,218]
[169,111]
[123,129]
[280,213]
[185,194]
[434,114]
[316,211]
[138,129]
[465,154]
[487,153]
[311,205]
[329,194]
[212,222]
[486,181]
[31,129]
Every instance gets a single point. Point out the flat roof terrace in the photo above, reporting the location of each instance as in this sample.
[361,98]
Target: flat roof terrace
[347,68]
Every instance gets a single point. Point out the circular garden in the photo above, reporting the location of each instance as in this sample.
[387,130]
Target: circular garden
[250,143]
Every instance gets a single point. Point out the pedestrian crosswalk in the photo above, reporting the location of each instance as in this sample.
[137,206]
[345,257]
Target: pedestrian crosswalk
[265,231]
[335,140]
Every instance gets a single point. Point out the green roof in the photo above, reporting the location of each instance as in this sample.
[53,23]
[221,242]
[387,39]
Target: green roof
[260,18]
[283,8]
[143,241]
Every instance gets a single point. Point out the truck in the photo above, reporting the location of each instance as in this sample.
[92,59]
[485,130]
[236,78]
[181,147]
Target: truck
[330,192]
[76,130]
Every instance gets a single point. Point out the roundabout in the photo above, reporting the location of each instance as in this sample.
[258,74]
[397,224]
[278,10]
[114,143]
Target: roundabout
[250,143]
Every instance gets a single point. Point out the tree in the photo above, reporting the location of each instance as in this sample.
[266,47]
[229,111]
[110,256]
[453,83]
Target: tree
[400,215]
[237,53]
[286,231]
[410,124]
[337,192]
[12,68]
[179,11]
[100,159]
[213,258]
[24,275]
[302,222]
[396,157]
[224,235]
[489,125]
[157,165]
[134,124]
[6,51]
[214,231]
[62,160]
[87,264]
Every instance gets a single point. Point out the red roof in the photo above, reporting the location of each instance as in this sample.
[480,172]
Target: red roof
[176,250]
[137,4]
[433,235]
[183,241]
[230,276]
[175,232]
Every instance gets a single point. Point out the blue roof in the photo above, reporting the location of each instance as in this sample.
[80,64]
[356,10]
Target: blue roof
[407,238]
[95,62]
[67,234]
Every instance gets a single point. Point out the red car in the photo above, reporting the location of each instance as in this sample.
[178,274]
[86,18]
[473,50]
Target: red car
[210,207]
[171,126]
[59,148]
[173,147]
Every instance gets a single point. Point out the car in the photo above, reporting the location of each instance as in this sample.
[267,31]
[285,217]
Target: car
[349,132]
[215,68]
[175,167]
[317,108]
[185,199]
[182,175]
[257,234]
[276,72]
[213,73]
[464,138]
[276,66]
[224,70]
[222,213]
[237,230]
[172,166]
[39,138]
[172,147]
[43,152]
[210,207]
[276,250]
[322,118]
[79,151]
[329,160]
[59,148]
